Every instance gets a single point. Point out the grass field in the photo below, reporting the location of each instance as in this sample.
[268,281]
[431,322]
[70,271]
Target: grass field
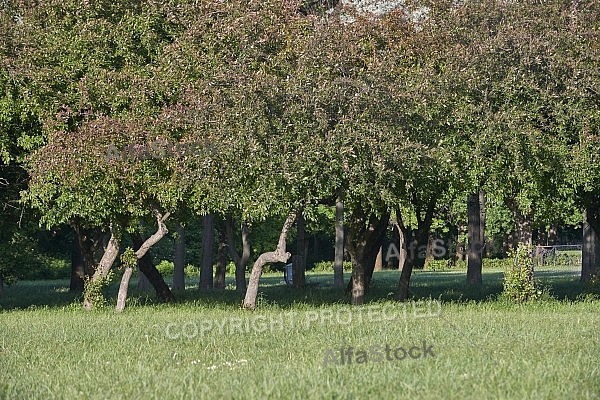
[205,346]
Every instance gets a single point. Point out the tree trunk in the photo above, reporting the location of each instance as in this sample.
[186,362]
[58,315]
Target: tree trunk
[208,242]
[77,265]
[365,237]
[122,295]
[299,260]
[392,262]
[474,262]
[144,259]
[404,284]
[279,255]
[221,268]
[461,248]
[482,218]
[357,282]
[412,239]
[401,247]
[111,253]
[85,243]
[429,253]
[379,260]
[179,261]
[590,262]
[143,285]
[145,264]
[338,263]
[239,261]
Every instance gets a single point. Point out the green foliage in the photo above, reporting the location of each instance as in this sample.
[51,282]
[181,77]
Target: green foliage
[94,290]
[129,259]
[22,259]
[166,268]
[327,266]
[519,285]
[500,263]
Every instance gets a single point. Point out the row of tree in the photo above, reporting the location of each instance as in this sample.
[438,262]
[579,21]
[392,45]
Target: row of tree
[390,117]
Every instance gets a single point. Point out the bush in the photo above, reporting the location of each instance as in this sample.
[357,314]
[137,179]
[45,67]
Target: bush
[445,264]
[23,260]
[519,285]
[501,263]
[326,266]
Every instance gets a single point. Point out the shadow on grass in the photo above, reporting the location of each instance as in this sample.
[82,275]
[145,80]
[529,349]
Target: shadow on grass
[447,286]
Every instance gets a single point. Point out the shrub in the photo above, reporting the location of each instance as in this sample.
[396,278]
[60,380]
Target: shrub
[501,263]
[323,266]
[519,285]
[165,268]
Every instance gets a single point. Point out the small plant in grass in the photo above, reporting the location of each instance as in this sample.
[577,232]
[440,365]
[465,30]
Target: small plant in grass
[92,290]
[519,285]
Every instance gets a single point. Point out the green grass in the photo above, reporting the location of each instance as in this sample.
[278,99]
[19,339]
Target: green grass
[484,348]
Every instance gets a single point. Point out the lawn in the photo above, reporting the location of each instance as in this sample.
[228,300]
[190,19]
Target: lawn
[205,346]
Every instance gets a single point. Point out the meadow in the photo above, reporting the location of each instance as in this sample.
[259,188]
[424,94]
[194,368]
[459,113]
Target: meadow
[205,346]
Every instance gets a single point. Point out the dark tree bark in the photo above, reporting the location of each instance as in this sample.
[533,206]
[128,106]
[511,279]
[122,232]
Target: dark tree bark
[299,259]
[279,255]
[590,262]
[85,243]
[208,242]
[365,237]
[338,263]
[413,239]
[145,264]
[392,260]
[474,250]
[240,261]
[221,267]
[482,219]
[179,261]
[77,266]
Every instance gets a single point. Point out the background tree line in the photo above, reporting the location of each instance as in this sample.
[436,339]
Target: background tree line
[392,121]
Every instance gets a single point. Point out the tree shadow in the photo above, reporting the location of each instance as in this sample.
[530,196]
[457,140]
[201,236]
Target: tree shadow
[445,286]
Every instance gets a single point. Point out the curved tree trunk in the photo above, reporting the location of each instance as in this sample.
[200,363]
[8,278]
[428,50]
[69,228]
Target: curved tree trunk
[279,255]
[145,264]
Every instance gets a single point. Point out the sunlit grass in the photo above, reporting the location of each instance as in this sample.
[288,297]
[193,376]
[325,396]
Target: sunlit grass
[484,348]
